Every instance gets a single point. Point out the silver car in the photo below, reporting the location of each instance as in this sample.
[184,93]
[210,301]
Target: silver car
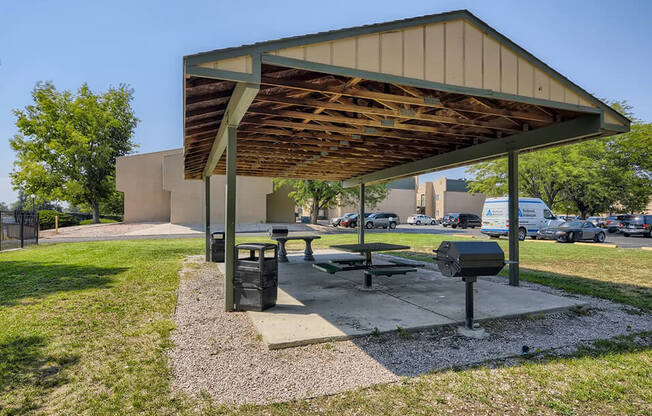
[382,220]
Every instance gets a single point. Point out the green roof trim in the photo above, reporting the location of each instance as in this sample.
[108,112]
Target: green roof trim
[258,49]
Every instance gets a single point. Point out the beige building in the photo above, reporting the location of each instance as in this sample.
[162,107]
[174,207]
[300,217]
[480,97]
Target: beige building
[443,196]
[155,190]
[400,200]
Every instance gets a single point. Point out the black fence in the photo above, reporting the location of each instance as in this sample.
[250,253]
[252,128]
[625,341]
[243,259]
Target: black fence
[18,229]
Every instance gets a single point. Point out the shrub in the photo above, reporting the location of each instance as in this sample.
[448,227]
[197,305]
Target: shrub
[46,219]
[102,221]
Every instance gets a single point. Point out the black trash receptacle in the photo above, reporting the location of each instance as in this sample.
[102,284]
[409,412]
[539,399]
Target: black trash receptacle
[217,247]
[255,284]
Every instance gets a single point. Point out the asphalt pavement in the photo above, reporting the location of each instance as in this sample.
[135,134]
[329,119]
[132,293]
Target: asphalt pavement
[615,238]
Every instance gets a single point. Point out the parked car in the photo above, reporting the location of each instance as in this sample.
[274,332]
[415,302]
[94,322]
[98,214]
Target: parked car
[597,221]
[572,231]
[382,220]
[623,220]
[352,221]
[611,224]
[533,214]
[337,220]
[462,220]
[421,219]
[638,225]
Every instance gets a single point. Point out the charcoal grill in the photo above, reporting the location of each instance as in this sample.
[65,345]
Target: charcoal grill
[468,260]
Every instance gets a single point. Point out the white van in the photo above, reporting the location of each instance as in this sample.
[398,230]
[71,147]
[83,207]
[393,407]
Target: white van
[533,214]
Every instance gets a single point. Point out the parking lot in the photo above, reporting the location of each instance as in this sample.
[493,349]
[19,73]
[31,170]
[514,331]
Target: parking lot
[615,238]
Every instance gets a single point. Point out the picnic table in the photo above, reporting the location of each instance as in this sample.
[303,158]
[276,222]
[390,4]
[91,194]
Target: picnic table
[366,263]
[282,239]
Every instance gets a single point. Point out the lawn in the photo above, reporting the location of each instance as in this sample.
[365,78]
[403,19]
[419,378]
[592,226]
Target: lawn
[85,327]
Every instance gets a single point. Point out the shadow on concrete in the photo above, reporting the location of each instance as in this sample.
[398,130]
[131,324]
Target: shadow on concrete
[26,370]
[23,279]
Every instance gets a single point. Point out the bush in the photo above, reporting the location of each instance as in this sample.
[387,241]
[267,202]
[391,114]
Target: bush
[46,219]
[102,221]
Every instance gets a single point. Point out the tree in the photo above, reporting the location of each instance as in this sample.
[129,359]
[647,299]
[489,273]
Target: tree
[68,143]
[590,177]
[320,195]
[4,206]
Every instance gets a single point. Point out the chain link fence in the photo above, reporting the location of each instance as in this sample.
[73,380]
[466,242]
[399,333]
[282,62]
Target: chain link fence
[18,229]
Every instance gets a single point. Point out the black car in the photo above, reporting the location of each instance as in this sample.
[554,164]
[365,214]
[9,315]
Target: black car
[637,225]
[461,220]
[572,231]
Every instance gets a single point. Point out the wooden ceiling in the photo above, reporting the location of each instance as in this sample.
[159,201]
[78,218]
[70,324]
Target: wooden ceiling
[311,125]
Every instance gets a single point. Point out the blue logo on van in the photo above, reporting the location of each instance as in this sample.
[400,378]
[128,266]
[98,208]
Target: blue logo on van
[488,214]
[520,213]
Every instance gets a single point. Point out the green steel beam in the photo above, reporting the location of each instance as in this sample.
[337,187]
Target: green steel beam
[512,189]
[207,215]
[243,95]
[229,217]
[577,129]
[361,221]
[191,69]
[420,83]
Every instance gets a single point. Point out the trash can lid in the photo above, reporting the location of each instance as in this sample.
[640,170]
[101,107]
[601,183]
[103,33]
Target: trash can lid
[255,246]
[218,234]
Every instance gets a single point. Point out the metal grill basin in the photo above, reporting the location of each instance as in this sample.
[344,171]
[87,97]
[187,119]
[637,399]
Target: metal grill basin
[470,258]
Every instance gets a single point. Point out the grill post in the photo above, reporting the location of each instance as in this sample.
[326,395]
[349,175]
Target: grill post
[367,280]
[468,281]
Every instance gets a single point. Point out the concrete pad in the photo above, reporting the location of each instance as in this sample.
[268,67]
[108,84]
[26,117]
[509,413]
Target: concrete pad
[315,307]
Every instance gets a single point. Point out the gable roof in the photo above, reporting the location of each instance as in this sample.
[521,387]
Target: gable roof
[244,59]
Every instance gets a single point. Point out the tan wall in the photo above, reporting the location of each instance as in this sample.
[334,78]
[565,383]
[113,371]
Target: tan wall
[280,207]
[463,202]
[140,177]
[156,191]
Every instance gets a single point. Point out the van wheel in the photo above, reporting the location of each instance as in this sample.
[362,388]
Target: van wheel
[522,233]
[392,225]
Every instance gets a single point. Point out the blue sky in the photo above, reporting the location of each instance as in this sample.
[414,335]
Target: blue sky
[604,46]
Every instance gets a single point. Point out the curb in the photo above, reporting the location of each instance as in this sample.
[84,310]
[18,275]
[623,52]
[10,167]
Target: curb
[596,245]
[646,248]
[542,241]
[462,235]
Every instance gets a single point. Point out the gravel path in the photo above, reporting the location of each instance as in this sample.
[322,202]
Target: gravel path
[220,353]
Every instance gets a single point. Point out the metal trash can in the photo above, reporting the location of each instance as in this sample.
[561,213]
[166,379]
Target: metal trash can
[255,282]
[217,247]
[468,260]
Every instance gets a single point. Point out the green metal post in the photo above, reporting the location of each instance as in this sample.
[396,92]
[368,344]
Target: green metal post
[361,221]
[512,181]
[229,217]
[207,216]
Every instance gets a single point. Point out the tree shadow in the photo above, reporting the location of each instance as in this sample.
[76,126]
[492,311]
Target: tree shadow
[29,279]
[25,371]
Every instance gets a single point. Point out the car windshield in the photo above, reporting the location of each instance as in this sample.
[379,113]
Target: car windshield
[572,224]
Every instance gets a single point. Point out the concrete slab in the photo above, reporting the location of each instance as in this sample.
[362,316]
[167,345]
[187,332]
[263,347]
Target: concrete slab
[315,307]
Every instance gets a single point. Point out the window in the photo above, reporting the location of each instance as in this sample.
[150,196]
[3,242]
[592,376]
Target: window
[436,213]
[547,214]
[423,200]
[436,197]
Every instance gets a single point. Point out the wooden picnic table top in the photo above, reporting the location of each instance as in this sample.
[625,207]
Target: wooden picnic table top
[369,247]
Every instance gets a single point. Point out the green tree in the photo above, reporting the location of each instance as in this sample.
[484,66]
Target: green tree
[67,143]
[320,195]
[4,206]
[591,177]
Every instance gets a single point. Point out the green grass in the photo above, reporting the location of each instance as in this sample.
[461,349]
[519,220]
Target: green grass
[84,328]
[102,221]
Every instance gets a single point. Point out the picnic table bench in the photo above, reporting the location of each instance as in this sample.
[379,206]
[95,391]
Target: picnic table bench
[365,263]
[282,239]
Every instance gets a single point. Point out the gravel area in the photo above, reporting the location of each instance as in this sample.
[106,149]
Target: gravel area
[95,230]
[221,353]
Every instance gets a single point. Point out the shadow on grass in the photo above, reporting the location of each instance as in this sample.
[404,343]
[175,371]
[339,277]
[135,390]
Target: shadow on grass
[26,372]
[21,279]
[633,295]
